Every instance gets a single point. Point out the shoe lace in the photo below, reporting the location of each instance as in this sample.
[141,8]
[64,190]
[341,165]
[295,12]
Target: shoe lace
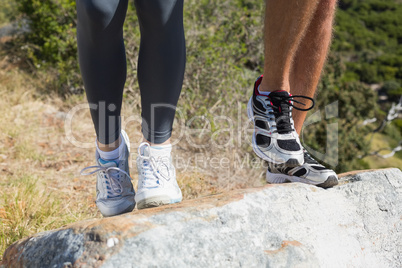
[151,167]
[282,106]
[111,175]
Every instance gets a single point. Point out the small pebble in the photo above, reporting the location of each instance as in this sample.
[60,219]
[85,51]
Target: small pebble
[111,242]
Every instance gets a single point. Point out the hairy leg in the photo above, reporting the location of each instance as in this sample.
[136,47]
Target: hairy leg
[286,22]
[311,55]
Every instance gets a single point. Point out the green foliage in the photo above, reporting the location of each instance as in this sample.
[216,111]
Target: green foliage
[392,89]
[9,11]
[51,41]
[369,35]
[398,124]
[393,131]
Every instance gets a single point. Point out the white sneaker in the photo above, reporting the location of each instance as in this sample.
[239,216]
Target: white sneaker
[157,183]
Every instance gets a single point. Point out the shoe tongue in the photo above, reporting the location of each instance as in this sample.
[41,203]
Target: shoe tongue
[159,152]
[278,99]
[276,96]
[279,93]
[108,163]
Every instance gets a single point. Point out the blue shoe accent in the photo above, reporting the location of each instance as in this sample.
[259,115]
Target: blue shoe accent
[104,162]
[178,200]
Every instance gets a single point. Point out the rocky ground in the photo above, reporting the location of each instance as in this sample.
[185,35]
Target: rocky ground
[355,224]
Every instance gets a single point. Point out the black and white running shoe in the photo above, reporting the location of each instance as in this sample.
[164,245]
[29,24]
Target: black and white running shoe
[274,139]
[311,172]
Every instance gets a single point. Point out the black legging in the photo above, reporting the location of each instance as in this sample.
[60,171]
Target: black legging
[161,63]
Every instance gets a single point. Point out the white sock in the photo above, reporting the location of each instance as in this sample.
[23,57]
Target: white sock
[167,148]
[112,155]
[265,93]
[159,150]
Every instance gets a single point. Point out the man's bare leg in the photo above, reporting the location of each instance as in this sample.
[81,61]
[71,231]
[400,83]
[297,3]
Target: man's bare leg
[311,55]
[275,140]
[286,22]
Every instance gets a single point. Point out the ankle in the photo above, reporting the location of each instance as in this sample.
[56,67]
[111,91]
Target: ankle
[271,86]
[167,142]
[111,151]
[109,147]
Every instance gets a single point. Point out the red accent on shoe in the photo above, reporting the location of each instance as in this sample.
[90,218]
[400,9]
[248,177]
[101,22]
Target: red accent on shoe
[256,84]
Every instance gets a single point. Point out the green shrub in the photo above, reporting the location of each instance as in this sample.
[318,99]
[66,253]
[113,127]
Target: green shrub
[51,41]
[394,133]
[393,90]
[8,13]
[370,26]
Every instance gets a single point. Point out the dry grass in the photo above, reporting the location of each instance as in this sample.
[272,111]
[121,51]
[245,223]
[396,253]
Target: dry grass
[38,189]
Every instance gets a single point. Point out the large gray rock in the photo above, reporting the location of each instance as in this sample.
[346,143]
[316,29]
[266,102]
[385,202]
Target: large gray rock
[356,224]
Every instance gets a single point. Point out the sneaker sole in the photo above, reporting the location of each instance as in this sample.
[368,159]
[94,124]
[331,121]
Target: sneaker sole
[156,201]
[291,162]
[330,182]
[282,178]
[127,210]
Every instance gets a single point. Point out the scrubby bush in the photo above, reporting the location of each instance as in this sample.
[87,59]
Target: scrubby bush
[51,41]
[392,89]
[374,26]
[8,11]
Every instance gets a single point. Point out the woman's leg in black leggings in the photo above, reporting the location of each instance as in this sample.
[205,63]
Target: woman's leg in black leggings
[161,65]
[102,61]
